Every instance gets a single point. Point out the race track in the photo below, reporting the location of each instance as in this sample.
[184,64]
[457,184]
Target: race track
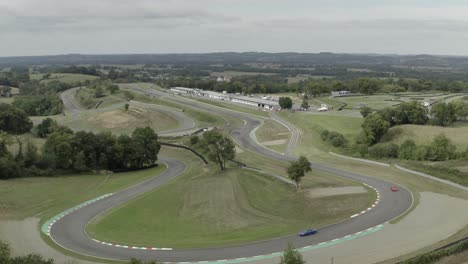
[69,230]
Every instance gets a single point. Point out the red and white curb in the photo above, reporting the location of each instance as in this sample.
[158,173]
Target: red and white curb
[128,247]
[372,206]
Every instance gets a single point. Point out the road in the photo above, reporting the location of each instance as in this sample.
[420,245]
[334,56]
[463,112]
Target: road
[69,231]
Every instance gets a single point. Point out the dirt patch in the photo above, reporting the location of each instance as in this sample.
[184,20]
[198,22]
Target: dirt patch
[437,217]
[113,119]
[322,192]
[274,142]
[24,238]
[462,168]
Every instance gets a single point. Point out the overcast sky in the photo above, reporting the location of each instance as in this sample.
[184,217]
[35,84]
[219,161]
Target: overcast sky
[41,27]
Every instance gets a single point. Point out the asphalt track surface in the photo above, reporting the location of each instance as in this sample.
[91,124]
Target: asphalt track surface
[69,231]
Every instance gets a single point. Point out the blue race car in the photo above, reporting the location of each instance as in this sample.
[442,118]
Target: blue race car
[307,232]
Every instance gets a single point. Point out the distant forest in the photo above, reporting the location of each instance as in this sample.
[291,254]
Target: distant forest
[342,66]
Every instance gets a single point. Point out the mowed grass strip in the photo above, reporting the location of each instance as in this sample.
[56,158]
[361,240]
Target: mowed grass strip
[45,197]
[273,135]
[206,207]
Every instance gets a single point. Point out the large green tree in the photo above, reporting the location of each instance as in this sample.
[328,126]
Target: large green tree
[444,114]
[217,147]
[297,170]
[14,120]
[285,102]
[374,127]
[146,147]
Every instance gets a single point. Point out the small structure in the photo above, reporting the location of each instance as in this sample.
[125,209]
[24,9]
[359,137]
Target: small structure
[187,91]
[215,95]
[260,103]
[323,108]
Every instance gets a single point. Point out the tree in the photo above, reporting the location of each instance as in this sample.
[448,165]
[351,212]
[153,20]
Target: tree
[374,127]
[31,156]
[146,146]
[442,148]
[304,163]
[98,92]
[410,113]
[443,114]
[291,256]
[365,111]
[297,169]
[45,127]
[112,88]
[126,106]
[285,102]
[14,120]
[305,105]
[407,150]
[31,259]
[217,147]
[4,252]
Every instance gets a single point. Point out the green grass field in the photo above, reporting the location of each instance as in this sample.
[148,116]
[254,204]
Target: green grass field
[201,118]
[206,207]
[119,121]
[45,197]
[312,125]
[458,133]
[271,131]
[375,101]
[64,77]
[85,97]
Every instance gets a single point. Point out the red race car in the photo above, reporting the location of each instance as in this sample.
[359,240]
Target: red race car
[394,188]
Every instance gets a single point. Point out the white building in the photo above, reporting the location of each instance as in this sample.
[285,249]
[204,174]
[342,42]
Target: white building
[215,95]
[257,102]
[187,91]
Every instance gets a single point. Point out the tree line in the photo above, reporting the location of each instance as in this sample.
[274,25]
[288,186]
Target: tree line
[266,84]
[66,151]
[376,125]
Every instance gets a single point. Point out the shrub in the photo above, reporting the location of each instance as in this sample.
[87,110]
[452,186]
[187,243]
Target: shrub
[334,138]
[324,135]
[407,150]
[338,141]
[194,140]
[384,151]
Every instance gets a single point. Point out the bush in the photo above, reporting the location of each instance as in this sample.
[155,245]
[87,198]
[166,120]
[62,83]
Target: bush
[384,151]
[194,140]
[324,135]
[407,150]
[336,139]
